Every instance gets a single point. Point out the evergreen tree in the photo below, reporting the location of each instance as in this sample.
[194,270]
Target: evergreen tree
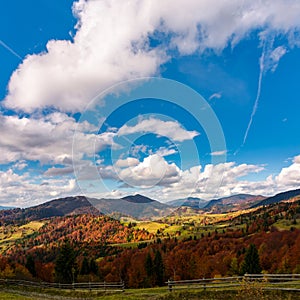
[251,264]
[66,267]
[149,265]
[158,269]
[149,271]
[85,267]
[93,266]
[30,265]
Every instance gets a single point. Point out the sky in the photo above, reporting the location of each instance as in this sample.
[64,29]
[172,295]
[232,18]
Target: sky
[168,99]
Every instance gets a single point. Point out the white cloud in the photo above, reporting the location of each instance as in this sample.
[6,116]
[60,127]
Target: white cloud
[288,178]
[213,181]
[154,170]
[70,73]
[276,55]
[53,171]
[128,162]
[296,159]
[135,150]
[155,177]
[48,139]
[202,183]
[111,44]
[20,165]
[162,151]
[170,129]
[24,190]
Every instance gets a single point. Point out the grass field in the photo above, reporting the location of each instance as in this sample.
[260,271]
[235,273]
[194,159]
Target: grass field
[151,227]
[287,224]
[151,294]
[10,234]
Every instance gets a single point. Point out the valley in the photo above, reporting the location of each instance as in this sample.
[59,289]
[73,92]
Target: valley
[215,244]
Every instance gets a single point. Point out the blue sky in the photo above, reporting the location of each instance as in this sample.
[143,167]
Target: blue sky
[57,58]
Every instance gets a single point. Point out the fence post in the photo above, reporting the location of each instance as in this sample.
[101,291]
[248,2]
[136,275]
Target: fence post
[204,285]
[169,285]
[104,286]
[123,286]
[246,277]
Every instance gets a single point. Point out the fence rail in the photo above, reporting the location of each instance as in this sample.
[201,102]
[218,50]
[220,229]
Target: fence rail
[288,282]
[284,282]
[100,286]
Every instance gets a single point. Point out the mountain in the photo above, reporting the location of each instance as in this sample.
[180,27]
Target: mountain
[138,199]
[54,208]
[285,196]
[137,206]
[221,205]
[232,203]
[192,202]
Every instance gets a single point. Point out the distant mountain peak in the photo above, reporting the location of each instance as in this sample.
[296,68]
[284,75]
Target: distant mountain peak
[137,199]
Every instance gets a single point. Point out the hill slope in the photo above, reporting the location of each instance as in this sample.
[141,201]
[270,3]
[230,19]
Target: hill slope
[285,196]
[54,208]
[232,203]
[192,202]
[138,207]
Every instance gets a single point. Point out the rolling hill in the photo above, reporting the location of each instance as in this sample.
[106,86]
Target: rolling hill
[192,202]
[137,206]
[221,205]
[232,203]
[54,208]
[285,196]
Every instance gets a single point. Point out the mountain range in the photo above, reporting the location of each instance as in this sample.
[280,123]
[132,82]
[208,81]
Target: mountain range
[221,205]
[140,207]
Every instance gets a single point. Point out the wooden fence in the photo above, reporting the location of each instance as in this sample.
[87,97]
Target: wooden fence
[99,286]
[289,282]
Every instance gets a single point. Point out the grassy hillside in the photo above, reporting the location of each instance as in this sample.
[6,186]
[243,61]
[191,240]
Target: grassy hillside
[12,234]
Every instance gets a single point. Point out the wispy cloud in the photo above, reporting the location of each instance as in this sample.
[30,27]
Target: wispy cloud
[10,50]
[218,153]
[215,96]
[268,61]
[254,109]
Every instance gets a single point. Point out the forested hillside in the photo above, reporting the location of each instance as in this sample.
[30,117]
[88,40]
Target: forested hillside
[181,247]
